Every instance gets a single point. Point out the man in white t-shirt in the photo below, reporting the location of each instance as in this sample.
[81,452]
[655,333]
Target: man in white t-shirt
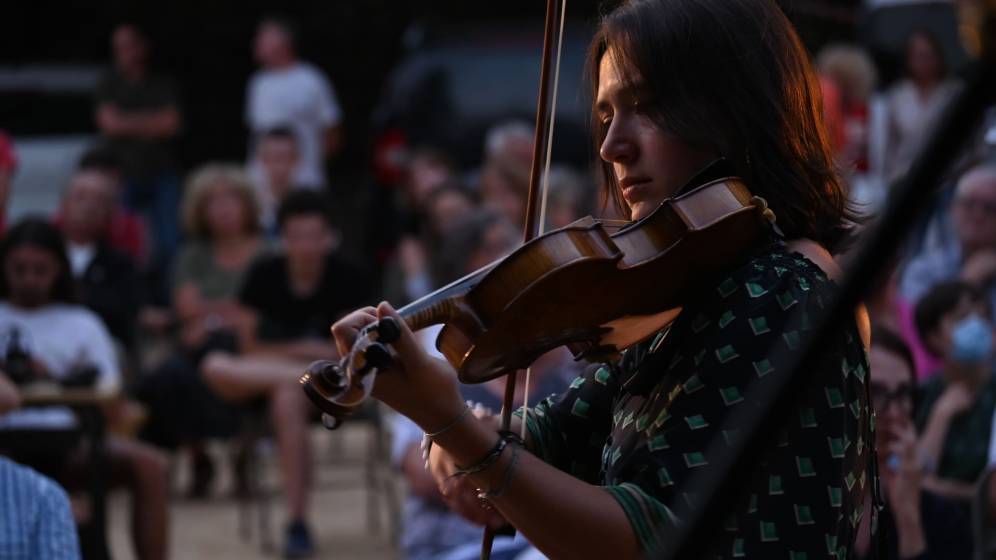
[287,92]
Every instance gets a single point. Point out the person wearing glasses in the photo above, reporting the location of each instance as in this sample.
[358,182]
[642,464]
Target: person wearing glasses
[972,255]
[918,523]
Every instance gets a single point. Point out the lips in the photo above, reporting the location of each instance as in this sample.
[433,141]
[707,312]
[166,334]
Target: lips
[631,187]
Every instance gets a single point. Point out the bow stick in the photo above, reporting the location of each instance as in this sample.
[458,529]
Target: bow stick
[535,209]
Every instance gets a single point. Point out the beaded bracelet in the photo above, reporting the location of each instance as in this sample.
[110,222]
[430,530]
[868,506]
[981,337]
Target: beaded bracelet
[506,479]
[490,459]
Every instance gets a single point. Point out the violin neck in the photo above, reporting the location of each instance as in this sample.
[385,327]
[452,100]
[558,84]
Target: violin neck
[443,304]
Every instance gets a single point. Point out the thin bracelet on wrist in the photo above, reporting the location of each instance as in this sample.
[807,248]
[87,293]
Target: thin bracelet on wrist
[505,480]
[463,414]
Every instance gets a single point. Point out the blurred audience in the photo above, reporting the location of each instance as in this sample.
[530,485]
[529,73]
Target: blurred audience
[955,415]
[291,300]
[412,274]
[972,255]
[106,280]
[504,179]
[138,116]
[916,102]
[917,523]
[570,197]
[288,92]
[50,339]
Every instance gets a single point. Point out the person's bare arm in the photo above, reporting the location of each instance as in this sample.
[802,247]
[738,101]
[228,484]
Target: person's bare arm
[151,124]
[952,489]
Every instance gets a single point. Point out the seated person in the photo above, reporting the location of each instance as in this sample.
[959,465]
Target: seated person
[292,299]
[278,153]
[956,412]
[48,337]
[971,257]
[126,231]
[917,522]
[106,279]
[37,521]
[220,218]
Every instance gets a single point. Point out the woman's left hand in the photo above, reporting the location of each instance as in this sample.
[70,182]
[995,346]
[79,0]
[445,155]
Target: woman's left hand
[417,385]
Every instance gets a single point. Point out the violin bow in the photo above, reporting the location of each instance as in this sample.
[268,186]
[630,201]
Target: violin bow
[535,203]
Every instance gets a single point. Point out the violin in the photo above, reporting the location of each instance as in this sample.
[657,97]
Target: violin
[581,286]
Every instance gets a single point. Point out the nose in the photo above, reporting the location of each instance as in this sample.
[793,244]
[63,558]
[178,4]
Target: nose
[618,146]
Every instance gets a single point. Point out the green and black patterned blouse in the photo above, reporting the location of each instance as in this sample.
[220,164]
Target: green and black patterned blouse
[641,426]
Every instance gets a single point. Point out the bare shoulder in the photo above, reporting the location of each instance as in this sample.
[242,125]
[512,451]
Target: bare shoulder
[822,258]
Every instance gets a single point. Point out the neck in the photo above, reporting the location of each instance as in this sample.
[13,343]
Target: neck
[969,250]
[132,73]
[229,241]
[926,84]
[281,62]
[79,238]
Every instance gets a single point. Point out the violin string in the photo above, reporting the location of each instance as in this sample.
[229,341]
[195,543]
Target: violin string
[545,188]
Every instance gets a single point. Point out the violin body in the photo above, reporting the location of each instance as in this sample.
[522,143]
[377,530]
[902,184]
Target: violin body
[569,286]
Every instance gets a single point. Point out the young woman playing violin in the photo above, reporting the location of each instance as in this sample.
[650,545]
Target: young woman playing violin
[676,84]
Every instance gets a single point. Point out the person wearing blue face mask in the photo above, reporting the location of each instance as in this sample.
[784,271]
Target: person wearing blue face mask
[956,412]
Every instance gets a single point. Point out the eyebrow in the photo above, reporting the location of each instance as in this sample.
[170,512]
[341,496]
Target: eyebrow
[631,90]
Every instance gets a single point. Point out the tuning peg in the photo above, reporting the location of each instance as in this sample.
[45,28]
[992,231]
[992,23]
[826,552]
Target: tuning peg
[388,330]
[378,356]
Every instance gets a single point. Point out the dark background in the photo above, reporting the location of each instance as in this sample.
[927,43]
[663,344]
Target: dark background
[205,45]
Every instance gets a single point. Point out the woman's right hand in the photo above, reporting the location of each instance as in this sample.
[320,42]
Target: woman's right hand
[459,493]
[417,385]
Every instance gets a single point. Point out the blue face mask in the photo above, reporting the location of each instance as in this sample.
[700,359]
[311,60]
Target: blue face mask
[972,340]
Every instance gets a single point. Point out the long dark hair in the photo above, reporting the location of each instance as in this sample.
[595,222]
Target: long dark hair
[38,232]
[733,76]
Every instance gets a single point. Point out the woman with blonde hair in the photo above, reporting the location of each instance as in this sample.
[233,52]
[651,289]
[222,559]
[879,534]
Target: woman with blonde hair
[220,217]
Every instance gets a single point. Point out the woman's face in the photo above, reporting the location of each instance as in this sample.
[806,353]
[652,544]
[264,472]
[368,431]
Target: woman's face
[225,212]
[924,62]
[650,164]
[891,392]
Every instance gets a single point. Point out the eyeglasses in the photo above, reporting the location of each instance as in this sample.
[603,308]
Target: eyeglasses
[902,395]
[968,203]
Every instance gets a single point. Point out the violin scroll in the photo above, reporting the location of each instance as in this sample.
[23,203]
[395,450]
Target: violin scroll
[339,389]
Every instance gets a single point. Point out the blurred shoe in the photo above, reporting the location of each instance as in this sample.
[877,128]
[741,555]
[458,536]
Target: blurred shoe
[299,543]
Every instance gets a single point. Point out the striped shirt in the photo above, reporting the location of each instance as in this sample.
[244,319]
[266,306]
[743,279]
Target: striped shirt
[35,518]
